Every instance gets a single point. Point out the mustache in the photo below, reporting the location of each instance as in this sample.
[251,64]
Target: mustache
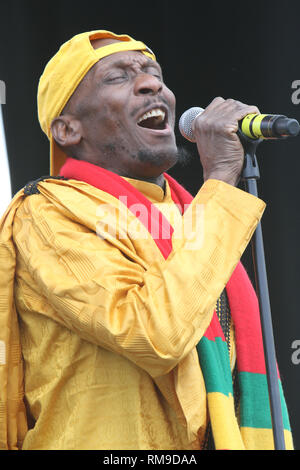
[147,102]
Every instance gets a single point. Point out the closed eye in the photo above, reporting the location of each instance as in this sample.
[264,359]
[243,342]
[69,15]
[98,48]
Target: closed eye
[153,71]
[114,78]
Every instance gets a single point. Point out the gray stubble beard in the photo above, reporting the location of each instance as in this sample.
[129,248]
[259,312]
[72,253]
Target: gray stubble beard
[181,156]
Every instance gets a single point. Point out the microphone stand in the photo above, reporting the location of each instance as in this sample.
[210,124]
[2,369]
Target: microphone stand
[250,175]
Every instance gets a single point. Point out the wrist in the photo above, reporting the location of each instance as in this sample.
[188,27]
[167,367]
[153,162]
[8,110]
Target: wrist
[228,178]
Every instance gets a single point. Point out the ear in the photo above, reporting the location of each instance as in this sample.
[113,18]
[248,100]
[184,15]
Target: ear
[66,130]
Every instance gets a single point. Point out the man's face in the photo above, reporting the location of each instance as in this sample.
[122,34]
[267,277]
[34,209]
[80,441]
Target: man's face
[127,116]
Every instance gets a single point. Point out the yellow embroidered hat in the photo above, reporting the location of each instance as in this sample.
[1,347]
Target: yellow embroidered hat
[64,72]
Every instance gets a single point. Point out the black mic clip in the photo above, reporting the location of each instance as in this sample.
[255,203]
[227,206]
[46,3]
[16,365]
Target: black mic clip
[250,168]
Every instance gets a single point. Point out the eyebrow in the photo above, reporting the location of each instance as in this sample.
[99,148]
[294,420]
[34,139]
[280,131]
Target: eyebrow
[148,63]
[103,68]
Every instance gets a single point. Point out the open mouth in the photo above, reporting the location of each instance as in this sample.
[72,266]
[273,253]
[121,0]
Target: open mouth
[156,119]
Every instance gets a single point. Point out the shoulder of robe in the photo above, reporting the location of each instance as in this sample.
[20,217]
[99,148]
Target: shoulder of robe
[32,187]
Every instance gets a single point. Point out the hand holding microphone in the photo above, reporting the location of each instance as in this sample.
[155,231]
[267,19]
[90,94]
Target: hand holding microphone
[215,130]
[253,126]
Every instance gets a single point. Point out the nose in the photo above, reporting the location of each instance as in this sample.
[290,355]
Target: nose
[147,84]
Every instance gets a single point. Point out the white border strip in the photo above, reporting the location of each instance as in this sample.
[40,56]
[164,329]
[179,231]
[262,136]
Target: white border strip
[5,182]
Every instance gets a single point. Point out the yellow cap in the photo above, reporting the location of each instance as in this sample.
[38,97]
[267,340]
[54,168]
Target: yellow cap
[64,72]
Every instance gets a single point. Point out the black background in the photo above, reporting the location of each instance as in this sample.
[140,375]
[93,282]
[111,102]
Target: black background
[243,50]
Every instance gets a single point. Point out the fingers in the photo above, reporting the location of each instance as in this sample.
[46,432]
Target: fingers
[216,102]
[224,113]
[236,107]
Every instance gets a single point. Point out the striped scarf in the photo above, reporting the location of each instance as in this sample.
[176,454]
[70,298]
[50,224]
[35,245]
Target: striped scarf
[234,424]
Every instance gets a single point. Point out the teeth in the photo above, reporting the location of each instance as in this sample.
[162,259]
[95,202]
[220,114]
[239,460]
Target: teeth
[153,113]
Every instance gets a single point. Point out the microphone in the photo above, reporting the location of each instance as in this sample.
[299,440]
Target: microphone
[253,126]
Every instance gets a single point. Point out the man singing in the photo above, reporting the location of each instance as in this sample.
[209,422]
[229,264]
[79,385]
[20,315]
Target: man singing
[126,318]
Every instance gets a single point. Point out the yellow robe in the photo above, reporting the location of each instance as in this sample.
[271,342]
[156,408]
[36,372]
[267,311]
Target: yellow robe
[109,327]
